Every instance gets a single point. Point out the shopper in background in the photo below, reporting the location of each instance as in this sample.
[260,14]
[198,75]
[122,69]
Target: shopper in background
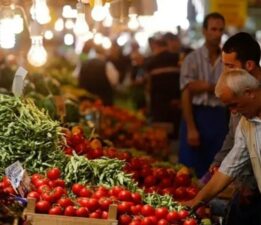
[163,77]
[99,76]
[205,119]
[240,51]
[241,92]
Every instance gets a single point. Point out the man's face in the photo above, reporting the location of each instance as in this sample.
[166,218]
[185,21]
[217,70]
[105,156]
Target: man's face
[244,104]
[230,61]
[214,31]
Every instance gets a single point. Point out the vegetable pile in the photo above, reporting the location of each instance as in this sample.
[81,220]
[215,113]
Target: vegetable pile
[29,135]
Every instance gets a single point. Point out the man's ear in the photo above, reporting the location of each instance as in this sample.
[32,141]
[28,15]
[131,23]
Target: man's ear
[250,93]
[250,65]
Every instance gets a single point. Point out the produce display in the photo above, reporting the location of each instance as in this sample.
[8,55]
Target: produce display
[28,135]
[128,130]
[78,173]
[85,200]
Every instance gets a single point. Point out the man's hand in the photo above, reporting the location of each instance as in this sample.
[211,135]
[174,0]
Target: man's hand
[193,137]
[191,203]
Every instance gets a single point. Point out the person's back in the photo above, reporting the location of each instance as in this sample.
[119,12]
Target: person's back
[163,72]
[93,78]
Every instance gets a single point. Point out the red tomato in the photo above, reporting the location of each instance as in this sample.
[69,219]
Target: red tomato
[82,212]
[180,193]
[33,194]
[42,206]
[6,182]
[190,221]
[80,148]
[173,216]
[136,197]
[41,182]
[93,204]
[136,209]
[183,214]
[77,139]
[48,196]
[85,192]
[182,180]
[54,173]
[150,181]
[35,177]
[43,188]
[64,202]
[56,210]
[105,203]
[76,188]
[58,192]
[59,183]
[99,194]
[123,207]
[147,221]
[95,215]
[70,211]
[114,191]
[163,222]
[124,195]
[125,219]
[9,190]
[161,213]
[147,210]
[104,215]
[191,192]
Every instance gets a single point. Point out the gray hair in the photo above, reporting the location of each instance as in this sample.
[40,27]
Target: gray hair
[237,80]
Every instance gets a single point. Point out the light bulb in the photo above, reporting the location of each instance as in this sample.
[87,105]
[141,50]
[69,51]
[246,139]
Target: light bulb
[37,55]
[59,24]
[133,23]
[40,12]
[98,12]
[68,39]
[18,24]
[80,27]
[7,35]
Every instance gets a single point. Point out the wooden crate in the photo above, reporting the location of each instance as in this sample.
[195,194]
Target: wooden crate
[46,219]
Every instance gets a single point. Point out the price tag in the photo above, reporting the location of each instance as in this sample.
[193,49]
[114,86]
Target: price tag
[18,82]
[19,178]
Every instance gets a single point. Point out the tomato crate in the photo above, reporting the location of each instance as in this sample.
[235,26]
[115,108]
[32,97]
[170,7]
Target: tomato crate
[33,218]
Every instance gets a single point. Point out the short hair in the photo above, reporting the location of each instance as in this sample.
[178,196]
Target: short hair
[170,36]
[213,15]
[245,47]
[237,80]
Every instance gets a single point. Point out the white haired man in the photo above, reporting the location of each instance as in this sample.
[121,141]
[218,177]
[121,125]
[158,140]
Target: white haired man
[241,92]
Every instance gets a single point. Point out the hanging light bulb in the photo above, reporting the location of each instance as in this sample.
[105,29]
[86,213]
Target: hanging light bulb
[7,35]
[107,22]
[37,55]
[133,23]
[40,12]
[18,24]
[59,24]
[80,27]
[98,12]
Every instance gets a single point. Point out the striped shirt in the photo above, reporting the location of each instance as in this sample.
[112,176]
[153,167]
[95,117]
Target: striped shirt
[197,66]
[237,161]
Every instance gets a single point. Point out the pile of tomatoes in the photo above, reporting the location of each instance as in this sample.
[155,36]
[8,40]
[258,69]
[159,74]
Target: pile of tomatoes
[53,197]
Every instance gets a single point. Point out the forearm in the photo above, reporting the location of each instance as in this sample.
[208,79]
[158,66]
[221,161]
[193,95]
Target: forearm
[199,86]
[217,183]
[187,112]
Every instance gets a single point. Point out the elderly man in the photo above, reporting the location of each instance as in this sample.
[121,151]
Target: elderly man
[241,92]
